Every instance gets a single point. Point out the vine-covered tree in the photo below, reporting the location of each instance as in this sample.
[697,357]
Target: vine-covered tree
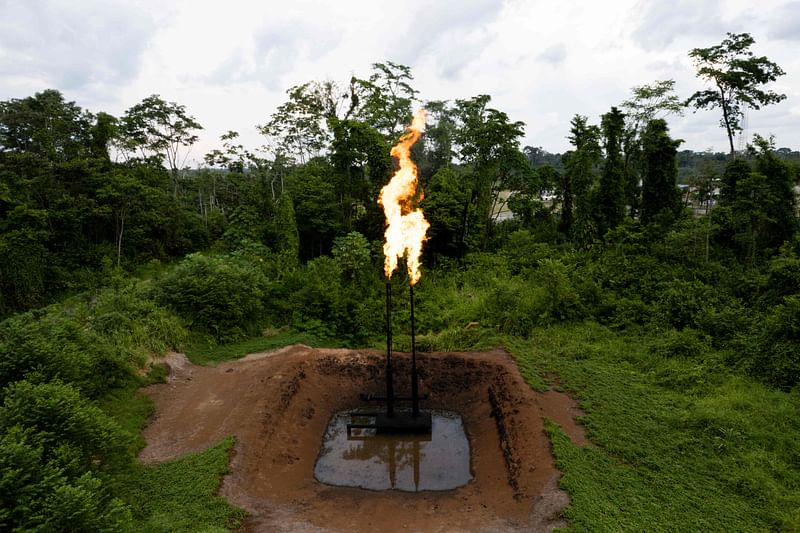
[579,175]
[610,198]
[647,102]
[659,191]
[737,77]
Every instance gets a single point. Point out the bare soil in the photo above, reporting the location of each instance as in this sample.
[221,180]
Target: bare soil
[278,404]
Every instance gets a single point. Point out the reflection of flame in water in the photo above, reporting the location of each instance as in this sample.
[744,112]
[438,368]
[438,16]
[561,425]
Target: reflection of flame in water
[406,225]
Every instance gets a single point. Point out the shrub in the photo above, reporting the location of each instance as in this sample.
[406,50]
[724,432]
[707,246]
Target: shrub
[38,493]
[686,343]
[61,418]
[679,303]
[51,345]
[775,354]
[219,295]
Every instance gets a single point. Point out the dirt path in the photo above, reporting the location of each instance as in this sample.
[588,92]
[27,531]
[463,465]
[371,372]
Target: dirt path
[278,405]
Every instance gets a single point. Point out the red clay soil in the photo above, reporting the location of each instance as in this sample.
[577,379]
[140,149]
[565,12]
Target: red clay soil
[278,406]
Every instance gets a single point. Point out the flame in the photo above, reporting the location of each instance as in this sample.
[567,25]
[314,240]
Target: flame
[406,225]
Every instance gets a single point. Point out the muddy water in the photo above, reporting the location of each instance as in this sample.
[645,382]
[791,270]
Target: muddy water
[412,463]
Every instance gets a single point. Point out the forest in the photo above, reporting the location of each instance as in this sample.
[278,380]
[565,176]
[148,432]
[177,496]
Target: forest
[678,329]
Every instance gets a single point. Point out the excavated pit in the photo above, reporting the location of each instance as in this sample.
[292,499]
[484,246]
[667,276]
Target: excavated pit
[279,404]
[412,462]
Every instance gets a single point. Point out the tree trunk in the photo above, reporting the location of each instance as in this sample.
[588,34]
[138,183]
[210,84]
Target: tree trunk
[726,119]
[119,236]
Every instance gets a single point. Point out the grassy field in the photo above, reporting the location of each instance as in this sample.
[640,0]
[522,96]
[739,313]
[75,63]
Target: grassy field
[679,444]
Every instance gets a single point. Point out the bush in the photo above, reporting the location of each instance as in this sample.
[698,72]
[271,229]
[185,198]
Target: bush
[38,493]
[221,296]
[48,344]
[62,419]
[673,343]
[680,303]
[775,354]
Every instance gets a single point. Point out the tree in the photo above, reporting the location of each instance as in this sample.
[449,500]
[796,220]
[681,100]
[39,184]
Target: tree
[445,197]
[315,207]
[386,98]
[647,102]
[161,129]
[288,239]
[45,125]
[299,126]
[737,76]
[360,155]
[659,193]
[437,143]
[757,203]
[610,199]
[579,177]
[488,144]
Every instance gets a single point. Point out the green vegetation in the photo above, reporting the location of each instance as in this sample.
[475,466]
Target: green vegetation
[679,444]
[181,495]
[678,331]
[205,351]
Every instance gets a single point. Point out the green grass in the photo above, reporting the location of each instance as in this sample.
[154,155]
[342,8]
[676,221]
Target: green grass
[200,350]
[681,445]
[181,495]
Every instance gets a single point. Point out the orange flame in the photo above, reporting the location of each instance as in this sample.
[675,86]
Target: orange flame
[406,225]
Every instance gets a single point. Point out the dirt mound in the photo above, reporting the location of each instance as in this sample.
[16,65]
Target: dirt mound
[278,405]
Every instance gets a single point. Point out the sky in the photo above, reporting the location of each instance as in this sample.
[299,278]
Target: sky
[230,63]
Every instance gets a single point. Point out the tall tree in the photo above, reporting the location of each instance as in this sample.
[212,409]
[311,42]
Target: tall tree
[647,102]
[386,98]
[488,145]
[610,198]
[300,126]
[737,77]
[659,191]
[579,176]
[160,129]
[45,125]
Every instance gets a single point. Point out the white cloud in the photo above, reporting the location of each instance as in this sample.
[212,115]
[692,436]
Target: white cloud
[230,63]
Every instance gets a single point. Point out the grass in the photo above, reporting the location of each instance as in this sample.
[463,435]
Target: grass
[174,496]
[201,350]
[680,444]
[181,495]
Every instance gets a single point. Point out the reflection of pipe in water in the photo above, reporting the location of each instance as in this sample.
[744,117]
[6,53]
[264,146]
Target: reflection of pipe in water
[416,465]
[392,465]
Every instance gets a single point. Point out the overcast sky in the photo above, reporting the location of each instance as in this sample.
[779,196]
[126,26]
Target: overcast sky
[542,62]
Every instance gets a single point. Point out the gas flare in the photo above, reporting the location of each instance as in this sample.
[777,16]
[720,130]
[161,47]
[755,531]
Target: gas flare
[406,225]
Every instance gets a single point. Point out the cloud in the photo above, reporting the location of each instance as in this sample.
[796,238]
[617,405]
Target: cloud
[555,55]
[76,46]
[452,33]
[661,23]
[784,22]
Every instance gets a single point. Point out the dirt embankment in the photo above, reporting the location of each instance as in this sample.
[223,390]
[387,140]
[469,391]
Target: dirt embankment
[278,405]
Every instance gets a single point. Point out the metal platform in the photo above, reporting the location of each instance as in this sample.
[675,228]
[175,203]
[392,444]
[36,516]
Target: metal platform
[402,422]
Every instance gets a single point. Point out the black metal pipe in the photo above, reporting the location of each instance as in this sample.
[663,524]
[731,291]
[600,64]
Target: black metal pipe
[389,377]
[414,386]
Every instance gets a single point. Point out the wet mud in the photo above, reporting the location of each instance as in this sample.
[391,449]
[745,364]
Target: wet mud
[278,406]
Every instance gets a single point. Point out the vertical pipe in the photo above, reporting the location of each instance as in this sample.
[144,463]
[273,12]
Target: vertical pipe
[389,377]
[414,386]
